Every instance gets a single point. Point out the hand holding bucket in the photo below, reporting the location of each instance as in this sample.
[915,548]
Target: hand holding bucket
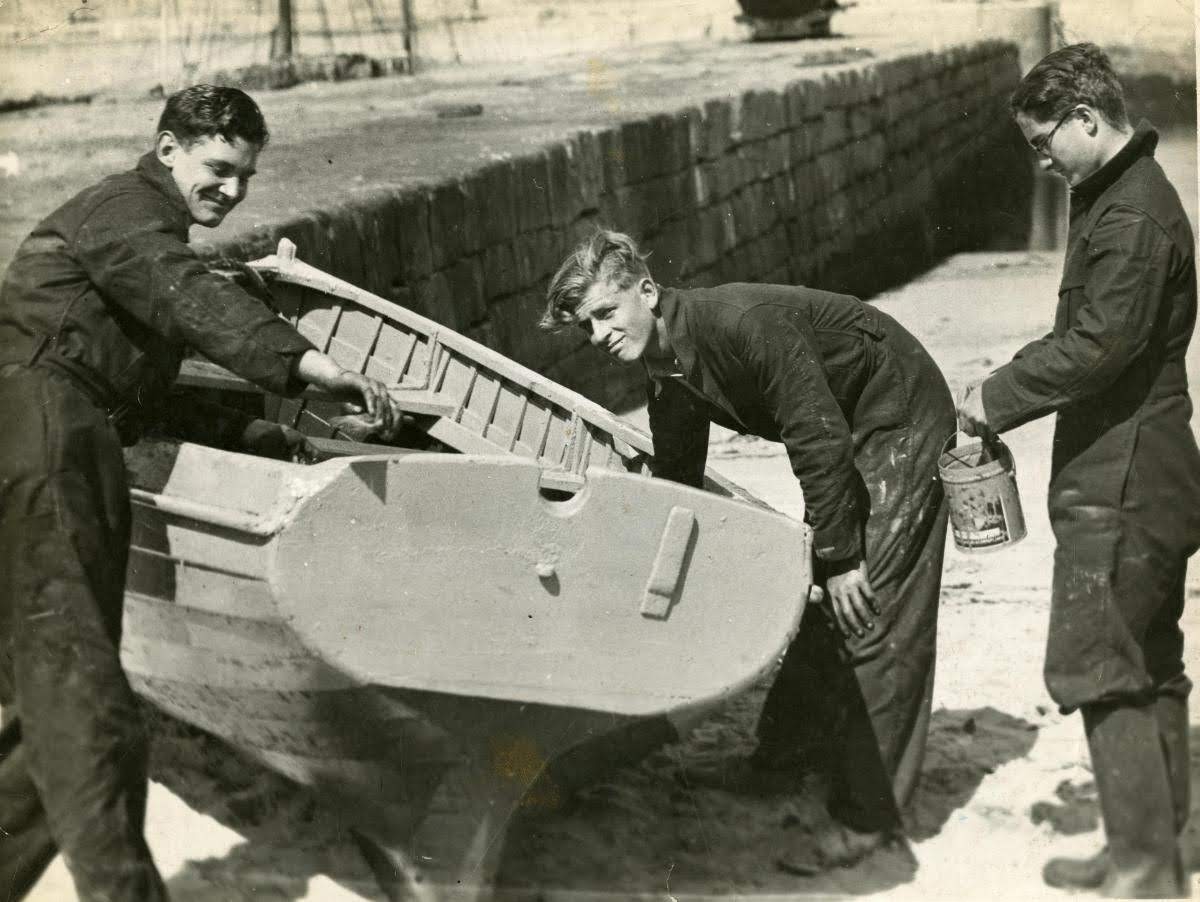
[981,487]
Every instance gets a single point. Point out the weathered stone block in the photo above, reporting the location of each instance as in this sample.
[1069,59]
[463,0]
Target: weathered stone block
[691,122]
[795,104]
[612,155]
[860,121]
[447,211]
[640,152]
[347,259]
[706,234]
[499,271]
[412,232]
[832,171]
[763,115]
[667,139]
[493,197]
[562,206]
[728,224]
[587,161]
[673,258]
[834,130]
[700,189]
[783,194]
[465,281]
[525,259]
[435,300]
[531,192]
[632,210]
[718,128]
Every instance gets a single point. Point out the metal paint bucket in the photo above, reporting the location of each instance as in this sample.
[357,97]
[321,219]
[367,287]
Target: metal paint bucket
[981,487]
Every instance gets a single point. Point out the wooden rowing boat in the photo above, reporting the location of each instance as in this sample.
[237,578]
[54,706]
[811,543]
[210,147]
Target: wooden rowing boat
[460,393]
[420,636]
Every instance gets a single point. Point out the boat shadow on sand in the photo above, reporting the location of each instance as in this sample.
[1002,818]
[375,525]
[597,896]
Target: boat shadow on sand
[639,829]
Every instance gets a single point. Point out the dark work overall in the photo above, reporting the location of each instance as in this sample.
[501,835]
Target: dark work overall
[97,309]
[1124,496]
[863,412]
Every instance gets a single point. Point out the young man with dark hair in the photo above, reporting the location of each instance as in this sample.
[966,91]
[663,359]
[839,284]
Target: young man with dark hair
[97,311]
[863,413]
[1125,478]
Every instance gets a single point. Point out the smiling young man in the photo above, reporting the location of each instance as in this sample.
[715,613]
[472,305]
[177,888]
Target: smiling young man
[1124,493]
[98,308]
[863,413]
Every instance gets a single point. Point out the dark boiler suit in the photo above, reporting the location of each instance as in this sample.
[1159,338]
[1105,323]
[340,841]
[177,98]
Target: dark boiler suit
[96,311]
[863,412]
[1124,496]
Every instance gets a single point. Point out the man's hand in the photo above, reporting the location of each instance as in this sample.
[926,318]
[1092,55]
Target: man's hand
[368,396]
[364,394]
[267,439]
[853,601]
[972,418]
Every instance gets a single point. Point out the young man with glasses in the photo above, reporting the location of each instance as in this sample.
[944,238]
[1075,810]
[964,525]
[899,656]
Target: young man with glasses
[1124,493]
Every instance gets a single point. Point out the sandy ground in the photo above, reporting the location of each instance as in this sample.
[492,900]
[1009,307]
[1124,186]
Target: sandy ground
[1005,783]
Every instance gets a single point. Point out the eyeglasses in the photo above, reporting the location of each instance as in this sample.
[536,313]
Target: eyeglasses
[1041,144]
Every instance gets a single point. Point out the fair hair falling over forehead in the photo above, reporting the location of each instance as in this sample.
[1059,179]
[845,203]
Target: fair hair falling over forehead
[608,257]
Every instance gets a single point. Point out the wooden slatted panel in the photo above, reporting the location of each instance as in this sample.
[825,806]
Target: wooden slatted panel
[414,351]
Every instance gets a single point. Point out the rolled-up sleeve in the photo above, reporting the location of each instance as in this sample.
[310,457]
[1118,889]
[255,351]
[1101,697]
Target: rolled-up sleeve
[778,352]
[129,250]
[1127,265]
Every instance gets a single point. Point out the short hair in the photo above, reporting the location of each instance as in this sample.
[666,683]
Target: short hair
[607,256]
[1079,73]
[204,111]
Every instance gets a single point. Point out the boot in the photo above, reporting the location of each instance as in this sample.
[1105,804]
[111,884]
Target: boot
[1135,801]
[1171,715]
[1171,712]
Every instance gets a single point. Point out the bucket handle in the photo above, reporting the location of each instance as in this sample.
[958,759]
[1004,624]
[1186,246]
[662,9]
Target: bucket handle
[993,449]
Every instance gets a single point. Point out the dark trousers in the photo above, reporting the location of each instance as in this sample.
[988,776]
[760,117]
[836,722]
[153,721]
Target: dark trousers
[73,761]
[858,710]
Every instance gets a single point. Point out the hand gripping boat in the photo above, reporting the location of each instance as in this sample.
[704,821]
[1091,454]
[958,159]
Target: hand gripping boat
[421,636]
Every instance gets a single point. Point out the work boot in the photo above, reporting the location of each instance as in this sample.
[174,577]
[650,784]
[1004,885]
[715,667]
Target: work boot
[1171,712]
[1135,801]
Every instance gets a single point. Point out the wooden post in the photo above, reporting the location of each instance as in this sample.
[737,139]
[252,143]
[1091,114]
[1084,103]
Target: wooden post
[410,35]
[283,48]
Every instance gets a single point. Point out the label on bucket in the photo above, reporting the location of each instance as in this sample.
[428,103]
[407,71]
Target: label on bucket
[985,526]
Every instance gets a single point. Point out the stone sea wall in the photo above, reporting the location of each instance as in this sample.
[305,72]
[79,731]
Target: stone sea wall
[852,178]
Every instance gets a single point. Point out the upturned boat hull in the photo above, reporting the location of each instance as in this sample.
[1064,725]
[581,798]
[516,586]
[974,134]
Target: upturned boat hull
[432,640]
[419,636]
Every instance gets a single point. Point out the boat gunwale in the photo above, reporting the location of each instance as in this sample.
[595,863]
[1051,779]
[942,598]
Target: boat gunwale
[285,266]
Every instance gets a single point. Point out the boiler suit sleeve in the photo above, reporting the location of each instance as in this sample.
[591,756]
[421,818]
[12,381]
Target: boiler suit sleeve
[140,266]
[777,353]
[1127,265]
